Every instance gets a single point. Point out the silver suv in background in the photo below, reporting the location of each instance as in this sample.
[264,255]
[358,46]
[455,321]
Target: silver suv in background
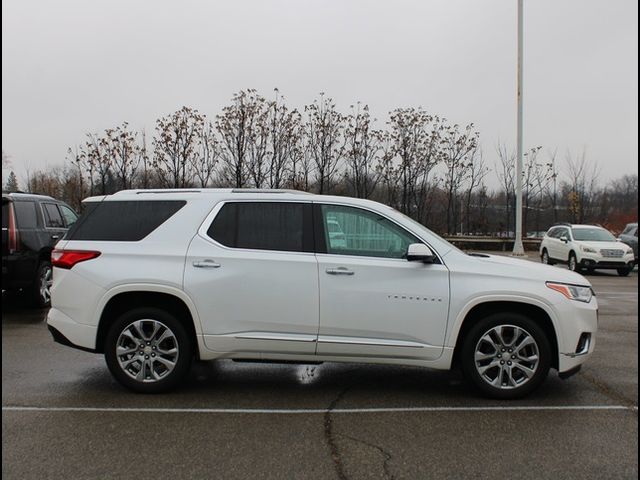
[630,236]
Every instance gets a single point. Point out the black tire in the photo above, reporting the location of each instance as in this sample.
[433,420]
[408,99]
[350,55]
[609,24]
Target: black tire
[41,292]
[624,272]
[472,339]
[590,270]
[573,264]
[545,258]
[182,362]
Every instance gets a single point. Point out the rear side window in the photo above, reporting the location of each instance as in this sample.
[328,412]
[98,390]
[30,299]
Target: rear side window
[69,215]
[276,226]
[125,221]
[52,216]
[26,215]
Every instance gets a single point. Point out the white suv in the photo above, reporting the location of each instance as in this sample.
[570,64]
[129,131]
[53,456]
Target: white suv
[586,247]
[153,279]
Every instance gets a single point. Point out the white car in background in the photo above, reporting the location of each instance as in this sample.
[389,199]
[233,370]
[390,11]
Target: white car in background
[586,247]
[155,278]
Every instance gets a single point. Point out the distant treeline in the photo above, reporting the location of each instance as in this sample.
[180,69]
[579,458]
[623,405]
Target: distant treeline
[420,163]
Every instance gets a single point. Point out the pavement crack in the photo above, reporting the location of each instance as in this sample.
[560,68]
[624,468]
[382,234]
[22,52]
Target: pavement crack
[609,391]
[330,437]
[386,455]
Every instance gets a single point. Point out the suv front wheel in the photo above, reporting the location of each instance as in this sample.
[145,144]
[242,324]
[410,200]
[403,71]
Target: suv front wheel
[506,355]
[574,266]
[148,350]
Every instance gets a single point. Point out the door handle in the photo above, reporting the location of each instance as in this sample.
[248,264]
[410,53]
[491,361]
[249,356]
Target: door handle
[206,264]
[339,271]
[55,237]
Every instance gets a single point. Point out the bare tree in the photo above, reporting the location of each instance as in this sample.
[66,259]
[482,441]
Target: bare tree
[235,127]
[476,173]
[507,176]
[98,160]
[416,138]
[6,160]
[284,141]
[204,164]
[457,146]
[324,132]
[121,145]
[176,146]
[258,151]
[583,180]
[362,152]
[552,185]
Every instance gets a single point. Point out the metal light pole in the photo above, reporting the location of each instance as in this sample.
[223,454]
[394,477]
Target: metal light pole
[518,248]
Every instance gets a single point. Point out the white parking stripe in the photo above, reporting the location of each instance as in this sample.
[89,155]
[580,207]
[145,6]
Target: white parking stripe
[290,411]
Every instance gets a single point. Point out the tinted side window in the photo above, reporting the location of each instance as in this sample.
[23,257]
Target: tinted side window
[69,215]
[125,221]
[52,216]
[279,226]
[353,231]
[26,215]
[552,233]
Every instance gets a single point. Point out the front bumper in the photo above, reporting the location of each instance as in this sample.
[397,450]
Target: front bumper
[576,319]
[598,261]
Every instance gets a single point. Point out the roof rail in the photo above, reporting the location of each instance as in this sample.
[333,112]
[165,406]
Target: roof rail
[267,190]
[141,192]
[565,224]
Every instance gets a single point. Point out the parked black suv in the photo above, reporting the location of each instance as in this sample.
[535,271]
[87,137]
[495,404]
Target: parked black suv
[31,226]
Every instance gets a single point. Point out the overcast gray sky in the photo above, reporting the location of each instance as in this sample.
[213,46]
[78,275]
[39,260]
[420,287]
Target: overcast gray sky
[70,67]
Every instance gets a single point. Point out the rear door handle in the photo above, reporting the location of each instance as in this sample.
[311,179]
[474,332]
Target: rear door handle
[339,271]
[208,263]
[55,237]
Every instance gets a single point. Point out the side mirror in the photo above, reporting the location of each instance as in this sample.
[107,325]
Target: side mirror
[564,239]
[419,252]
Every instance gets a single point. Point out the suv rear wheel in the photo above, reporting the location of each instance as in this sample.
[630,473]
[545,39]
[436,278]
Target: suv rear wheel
[148,350]
[545,258]
[506,355]
[42,286]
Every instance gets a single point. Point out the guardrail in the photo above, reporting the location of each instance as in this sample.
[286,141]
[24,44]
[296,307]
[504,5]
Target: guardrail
[471,242]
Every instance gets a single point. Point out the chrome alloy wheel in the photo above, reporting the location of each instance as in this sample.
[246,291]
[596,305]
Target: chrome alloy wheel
[506,357]
[46,280]
[147,350]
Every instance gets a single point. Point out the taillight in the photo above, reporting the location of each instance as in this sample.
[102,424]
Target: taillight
[13,231]
[68,258]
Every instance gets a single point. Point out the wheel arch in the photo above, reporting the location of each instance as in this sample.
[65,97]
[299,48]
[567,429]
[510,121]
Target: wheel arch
[533,311]
[124,299]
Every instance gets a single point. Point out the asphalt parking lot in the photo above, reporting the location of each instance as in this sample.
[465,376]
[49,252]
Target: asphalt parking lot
[63,416]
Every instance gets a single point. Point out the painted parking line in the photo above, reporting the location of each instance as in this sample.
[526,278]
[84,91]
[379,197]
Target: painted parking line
[297,411]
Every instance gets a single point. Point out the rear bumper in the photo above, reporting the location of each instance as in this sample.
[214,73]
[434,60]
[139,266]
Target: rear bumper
[70,333]
[58,337]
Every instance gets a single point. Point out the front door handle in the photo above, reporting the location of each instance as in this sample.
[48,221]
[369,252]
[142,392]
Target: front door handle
[208,263]
[339,271]
[55,237]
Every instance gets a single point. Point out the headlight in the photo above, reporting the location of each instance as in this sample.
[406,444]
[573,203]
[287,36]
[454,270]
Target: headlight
[572,292]
[588,249]
[628,251]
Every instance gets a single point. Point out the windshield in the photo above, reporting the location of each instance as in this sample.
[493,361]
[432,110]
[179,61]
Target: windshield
[592,235]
